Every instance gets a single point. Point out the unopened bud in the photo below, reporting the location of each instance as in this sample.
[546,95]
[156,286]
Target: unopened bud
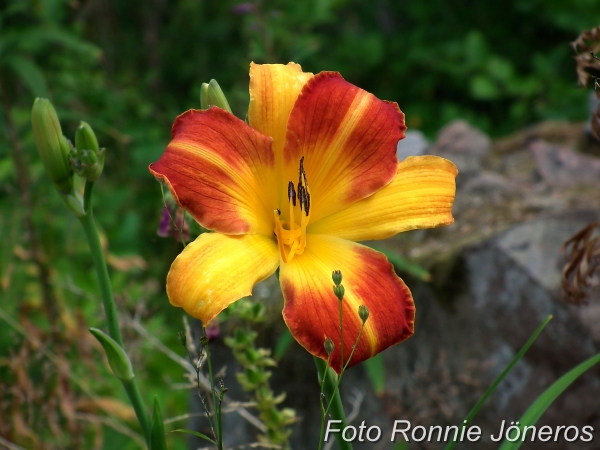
[204,96]
[363,313]
[117,358]
[329,346]
[52,146]
[212,95]
[85,139]
[337,277]
[87,159]
[339,291]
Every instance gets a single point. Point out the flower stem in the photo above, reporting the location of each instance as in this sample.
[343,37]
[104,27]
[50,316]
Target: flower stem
[135,397]
[108,300]
[336,408]
[341,336]
[110,310]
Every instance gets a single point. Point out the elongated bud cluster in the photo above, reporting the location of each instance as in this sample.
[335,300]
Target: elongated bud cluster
[338,287]
[86,159]
[336,276]
[339,292]
[212,95]
[363,313]
[52,146]
[329,346]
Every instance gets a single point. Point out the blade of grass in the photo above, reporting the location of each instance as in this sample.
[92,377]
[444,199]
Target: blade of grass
[195,433]
[498,380]
[542,403]
[403,264]
[376,372]
[158,440]
[283,343]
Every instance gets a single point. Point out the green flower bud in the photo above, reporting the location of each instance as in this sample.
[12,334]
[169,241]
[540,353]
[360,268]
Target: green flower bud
[212,95]
[204,96]
[52,146]
[363,313]
[88,159]
[329,346]
[337,277]
[85,139]
[117,358]
[339,291]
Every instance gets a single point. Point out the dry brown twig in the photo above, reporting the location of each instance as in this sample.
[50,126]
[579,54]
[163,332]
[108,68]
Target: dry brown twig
[581,274]
[232,405]
[586,46]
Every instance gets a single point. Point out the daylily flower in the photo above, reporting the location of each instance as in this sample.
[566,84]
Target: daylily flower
[314,172]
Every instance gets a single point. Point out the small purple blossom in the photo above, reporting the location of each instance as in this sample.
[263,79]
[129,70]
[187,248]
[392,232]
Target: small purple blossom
[213,331]
[242,8]
[166,227]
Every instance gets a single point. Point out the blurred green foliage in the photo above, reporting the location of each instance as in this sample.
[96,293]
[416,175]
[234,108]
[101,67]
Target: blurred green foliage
[128,68]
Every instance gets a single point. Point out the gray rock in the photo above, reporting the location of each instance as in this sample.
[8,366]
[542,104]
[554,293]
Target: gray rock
[562,166]
[510,284]
[464,145]
[414,144]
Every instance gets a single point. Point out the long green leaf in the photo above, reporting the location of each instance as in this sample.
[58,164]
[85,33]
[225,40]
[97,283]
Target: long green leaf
[195,433]
[158,441]
[376,372]
[498,380]
[284,341]
[403,264]
[542,403]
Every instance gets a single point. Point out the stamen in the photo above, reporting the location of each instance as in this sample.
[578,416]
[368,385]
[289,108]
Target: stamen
[301,196]
[291,193]
[288,233]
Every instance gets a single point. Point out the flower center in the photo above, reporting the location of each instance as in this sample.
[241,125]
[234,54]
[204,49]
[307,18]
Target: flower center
[291,236]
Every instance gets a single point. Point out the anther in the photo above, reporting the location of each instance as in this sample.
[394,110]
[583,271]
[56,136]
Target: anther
[301,196]
[291,193]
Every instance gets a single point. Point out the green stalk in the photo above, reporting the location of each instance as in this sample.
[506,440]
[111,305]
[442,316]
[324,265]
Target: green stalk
[89,226]
[110,310]
[336,407]
[135,397]
[341,337]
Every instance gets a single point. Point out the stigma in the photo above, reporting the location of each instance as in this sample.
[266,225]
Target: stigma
[291,236]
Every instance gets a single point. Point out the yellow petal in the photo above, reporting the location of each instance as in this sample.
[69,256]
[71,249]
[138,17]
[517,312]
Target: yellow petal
[311,308]
[216,270]
[274,89]
[420,196]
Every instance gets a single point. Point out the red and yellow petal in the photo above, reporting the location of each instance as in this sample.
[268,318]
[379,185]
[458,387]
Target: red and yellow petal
[311,309]
[221,171]
[274,89]
[216,270]
[420,196]
[348,138]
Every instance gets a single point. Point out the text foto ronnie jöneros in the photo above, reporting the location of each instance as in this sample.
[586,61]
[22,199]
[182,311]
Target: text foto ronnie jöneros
[510,431]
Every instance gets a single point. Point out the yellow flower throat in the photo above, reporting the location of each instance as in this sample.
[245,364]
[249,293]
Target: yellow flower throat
[291,237]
